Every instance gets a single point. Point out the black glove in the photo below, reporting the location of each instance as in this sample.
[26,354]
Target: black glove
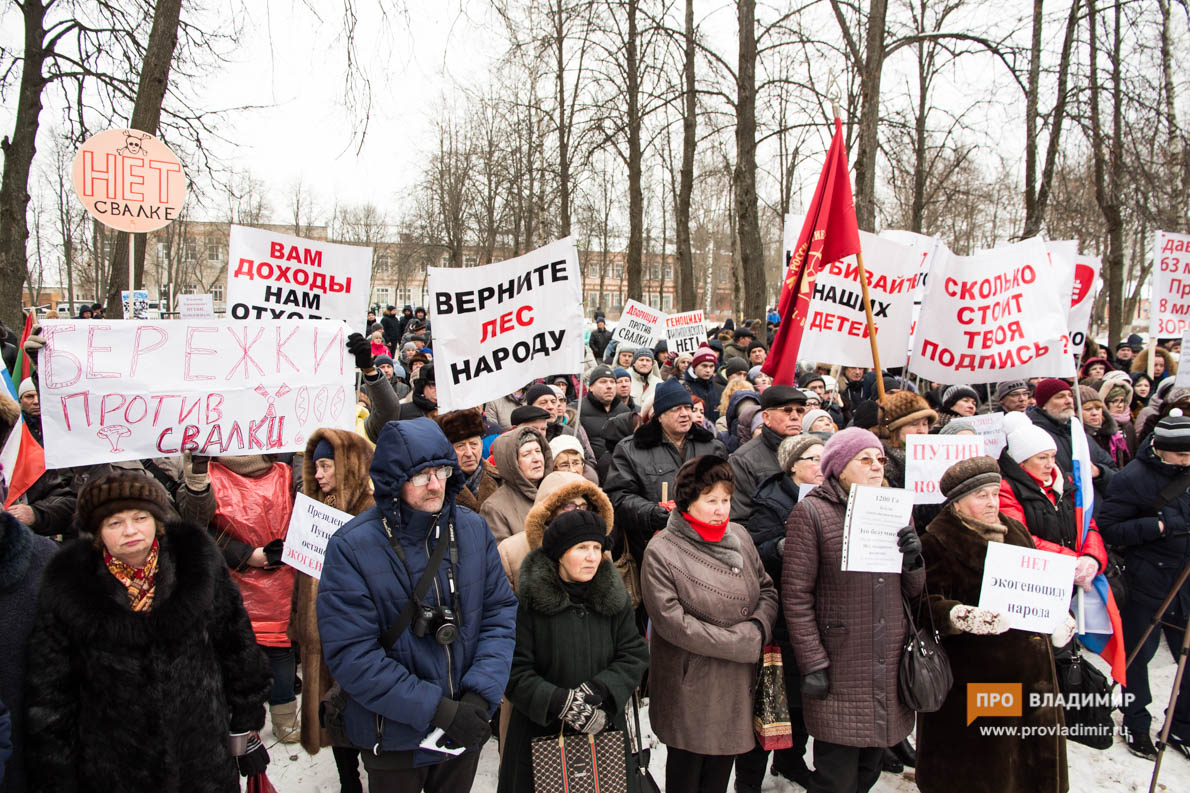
[273,552]
[816,685]
[909,545]
[465,723]
[361,348]
[255,758]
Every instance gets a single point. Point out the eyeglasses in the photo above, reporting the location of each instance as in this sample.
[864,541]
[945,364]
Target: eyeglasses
[790,410]
[815,459]
[867,461]
[570,506]
[423,479]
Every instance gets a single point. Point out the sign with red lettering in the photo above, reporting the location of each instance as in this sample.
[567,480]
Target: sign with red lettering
[1032,587]
[685,332]
[129,180]
[996,315]
[1082,298]
[279,276]
[1169,304]
[928,456]
[638,326]
[128,389]
[500,326]
[311,525]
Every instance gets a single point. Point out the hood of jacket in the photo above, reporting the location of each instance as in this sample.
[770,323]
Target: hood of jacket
[540,587]
[353,488]
[650,435]
[504,455]
[403,449]
[736,401]
[554,491]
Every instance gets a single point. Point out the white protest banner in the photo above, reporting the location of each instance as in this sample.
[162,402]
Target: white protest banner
[638,326]
[685,332]
[996,315]
[990,427]
[928,456]
[924,250]
[1082,299]
[310,528]
[1169,303]
[874,516]
[196,307]
[127,389]
[136,304]
[502,325]
[278,276]
[1032,587]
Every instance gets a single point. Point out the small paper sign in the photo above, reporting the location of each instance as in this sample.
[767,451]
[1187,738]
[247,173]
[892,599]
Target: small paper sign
[874,516]
[310,528]
[1032,587]
[685,332]
[196,307]
[638,325]
[990,427]
[928,456]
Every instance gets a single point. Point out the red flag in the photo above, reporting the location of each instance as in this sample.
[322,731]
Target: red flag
[830,233]
[23,461]
[24,368]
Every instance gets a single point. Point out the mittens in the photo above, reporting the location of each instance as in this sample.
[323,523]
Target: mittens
[1065,632]
[977,621]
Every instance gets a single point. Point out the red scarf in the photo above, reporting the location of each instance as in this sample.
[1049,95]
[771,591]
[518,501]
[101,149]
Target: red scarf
[140,583]
[711,532]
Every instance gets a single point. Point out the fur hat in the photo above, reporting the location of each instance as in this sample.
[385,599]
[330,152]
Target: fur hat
[569,529]
[116,491]
[793,448]
[844,446]
[903,407]
[1172,433]
[1025,438]
[967,476]
[458,425]
[699,475]
[1048,389]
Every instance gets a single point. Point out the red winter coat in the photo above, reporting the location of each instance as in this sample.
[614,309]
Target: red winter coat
[1092,545]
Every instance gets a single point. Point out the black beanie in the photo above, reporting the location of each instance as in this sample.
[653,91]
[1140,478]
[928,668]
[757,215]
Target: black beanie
[569,529]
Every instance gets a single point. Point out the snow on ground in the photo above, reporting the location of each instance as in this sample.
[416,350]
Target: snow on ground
[1116,770]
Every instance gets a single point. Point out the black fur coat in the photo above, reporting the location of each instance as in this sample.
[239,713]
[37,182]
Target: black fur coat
[121,702]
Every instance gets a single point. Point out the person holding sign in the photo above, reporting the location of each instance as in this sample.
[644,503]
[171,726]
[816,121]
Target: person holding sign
[847,628]
[982,649]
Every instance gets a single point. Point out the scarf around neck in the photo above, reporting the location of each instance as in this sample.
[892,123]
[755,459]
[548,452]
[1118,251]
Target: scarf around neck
[992,532]
[711,532]
[140,583]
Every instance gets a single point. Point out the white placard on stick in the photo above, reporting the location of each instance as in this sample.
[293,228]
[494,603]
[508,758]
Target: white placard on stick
[310,528]
[1032,587]
[928,456]
[990,427]
[128,389]
[136,303]
[685,332]
[874,516]
[196,307]
[1169,301]
[638,326]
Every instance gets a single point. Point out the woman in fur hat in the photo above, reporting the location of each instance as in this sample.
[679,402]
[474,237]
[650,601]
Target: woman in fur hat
[335,473]
[145,659]
[982,649]
[902,414]
[1164,365]
[578,656]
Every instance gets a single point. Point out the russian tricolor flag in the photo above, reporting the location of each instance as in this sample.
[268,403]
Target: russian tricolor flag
[22,461]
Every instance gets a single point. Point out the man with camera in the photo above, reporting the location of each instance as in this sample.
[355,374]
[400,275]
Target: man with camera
[417,619]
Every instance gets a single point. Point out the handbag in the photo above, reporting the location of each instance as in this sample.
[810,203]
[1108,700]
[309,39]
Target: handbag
[640,755]
[579,763]
[629,572]
[924,676]
[770,706]
[1086,723]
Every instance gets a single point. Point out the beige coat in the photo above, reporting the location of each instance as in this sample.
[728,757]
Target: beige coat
[506,509]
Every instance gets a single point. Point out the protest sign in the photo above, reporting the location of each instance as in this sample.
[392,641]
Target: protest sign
[924,250]
[1082,298]
[928,456]
[128,389]
[685,332]
[995,315]
[1183,376]
[638,326]
[1169,303]
[500,326]
[310,528]
[1032,587]
[129,180]
[874,516]
[196,307]
[136,304]
[274,276]
[990,427]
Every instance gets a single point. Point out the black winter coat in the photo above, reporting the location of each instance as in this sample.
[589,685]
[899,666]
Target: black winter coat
[126,702]
[774,500]
[1051,522]
[707,390]
[751,464]
[563,643]
[594,417]
[598,342]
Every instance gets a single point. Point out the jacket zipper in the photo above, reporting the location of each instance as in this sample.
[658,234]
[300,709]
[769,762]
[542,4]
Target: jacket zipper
[450,681]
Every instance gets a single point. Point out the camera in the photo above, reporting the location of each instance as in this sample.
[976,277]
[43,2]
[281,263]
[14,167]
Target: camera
[438,621]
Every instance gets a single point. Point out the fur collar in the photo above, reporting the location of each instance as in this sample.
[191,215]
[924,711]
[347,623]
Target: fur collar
[353,455]
[543,508]
[540,587]
[649,435]
[969,547]
[16,549]
[992,532]
[727,550]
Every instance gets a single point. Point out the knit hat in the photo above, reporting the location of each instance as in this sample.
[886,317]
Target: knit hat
[565,443]
[643,352]
[382,359]
[704,354]
[793,448]
[967,476]
[116,491]
[1047,389]
[459,425]
[698,475]
[844,446]
[1008,386]
[1136,342]
[756,346]
[1025,438]
[903,407]
[324,450]
[526,413]
[753,373]
[668,395]
[1116,384]
[806,378]
[619,372]
[26,387]
[777,395]
[598,373]
[1172,433]
[536,392]
[956,392]
[569,529]
[813,415]
[1088,395]
[958,424]
[735,366]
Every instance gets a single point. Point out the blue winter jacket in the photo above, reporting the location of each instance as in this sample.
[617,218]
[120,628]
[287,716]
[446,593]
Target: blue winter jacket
[393,696]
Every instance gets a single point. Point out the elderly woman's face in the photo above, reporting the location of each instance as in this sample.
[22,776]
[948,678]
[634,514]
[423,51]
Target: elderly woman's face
[865,468]
[982,504]
[128,535]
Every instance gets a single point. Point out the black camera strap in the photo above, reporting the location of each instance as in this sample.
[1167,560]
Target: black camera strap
[390,636]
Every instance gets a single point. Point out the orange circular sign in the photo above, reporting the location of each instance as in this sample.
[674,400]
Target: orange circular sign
[129,180]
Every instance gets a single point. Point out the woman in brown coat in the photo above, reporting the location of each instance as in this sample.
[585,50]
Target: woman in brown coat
[523,459]
[334,472]
[712,606]
[847,628]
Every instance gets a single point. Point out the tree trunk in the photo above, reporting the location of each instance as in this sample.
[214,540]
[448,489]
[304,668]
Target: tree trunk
[685,271]
[635,195]
[747,214]
[563,124]
[146,116]
[869,116]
